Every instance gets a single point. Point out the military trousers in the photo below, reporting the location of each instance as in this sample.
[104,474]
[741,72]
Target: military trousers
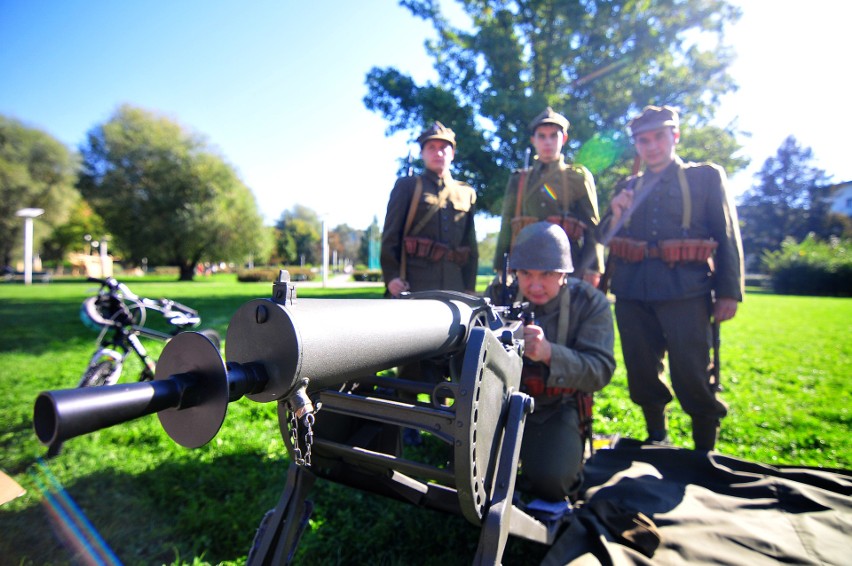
[681,328]
[552,452]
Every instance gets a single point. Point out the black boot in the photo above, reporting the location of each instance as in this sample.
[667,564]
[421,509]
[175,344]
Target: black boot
[656,424]
[704,433]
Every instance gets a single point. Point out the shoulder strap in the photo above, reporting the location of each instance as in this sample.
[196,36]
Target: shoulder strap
[443,195]
[412,210]
[564,317]
[687,200]
[520,196]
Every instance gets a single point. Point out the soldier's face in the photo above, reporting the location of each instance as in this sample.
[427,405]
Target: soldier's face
[438,156]
[540,287]
[657,147]
[548,141]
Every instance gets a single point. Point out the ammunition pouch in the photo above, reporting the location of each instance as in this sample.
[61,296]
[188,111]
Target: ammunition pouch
[426,248]
[534,380]
[673,251]
[628,249]
[670,251]
[573,228]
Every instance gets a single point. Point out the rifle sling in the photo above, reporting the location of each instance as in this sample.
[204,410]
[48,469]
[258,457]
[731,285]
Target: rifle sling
[412,210]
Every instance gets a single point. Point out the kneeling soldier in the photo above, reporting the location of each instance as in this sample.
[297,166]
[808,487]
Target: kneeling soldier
[568,355]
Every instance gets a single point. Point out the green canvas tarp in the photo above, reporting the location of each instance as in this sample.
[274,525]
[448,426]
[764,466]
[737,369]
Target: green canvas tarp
[663,505]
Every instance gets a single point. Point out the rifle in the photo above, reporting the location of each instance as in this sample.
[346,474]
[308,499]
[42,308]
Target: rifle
[307,354]
[609,267]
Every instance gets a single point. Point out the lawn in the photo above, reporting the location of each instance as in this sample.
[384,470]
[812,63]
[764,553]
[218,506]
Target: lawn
[786,362]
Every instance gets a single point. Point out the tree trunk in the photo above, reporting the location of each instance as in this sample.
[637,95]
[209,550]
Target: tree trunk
[187,272]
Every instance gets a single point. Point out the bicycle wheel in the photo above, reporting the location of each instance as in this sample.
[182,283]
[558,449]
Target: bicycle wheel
[104,369]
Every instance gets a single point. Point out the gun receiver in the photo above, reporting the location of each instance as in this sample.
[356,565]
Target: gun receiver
[312,353]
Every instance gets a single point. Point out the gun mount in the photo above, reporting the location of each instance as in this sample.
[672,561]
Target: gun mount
[309,354]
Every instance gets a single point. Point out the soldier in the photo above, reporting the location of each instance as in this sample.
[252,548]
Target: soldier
[429,239]
[553,190]
[568,354]
[678,262]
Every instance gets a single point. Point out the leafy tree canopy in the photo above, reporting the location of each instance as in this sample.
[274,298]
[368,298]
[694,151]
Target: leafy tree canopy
[36,171]
[598,62]
[299,235]
[165,195]
[788,199]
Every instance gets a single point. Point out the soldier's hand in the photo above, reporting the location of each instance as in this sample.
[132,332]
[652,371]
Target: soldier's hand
[724,309]
[536,346]
[593,278]
[621,203]
[397,286]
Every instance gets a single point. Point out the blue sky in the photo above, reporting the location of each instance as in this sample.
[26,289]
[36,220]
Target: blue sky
[277,86]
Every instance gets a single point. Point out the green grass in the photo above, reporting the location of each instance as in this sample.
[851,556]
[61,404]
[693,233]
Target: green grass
[785,367]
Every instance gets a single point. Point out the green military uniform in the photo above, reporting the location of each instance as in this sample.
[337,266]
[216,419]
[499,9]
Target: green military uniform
[666,305]
[553,191]
[447,254]
[552,447]
[577,322]
[444,215]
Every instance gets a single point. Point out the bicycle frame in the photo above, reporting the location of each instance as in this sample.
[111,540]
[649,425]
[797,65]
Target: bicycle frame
[121,316]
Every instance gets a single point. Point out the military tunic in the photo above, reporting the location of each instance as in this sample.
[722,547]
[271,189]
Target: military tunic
[552,449]
[451,225]
[667,307]
[554,189]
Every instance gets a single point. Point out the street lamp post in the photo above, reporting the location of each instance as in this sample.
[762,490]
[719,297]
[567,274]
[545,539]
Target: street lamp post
[28,214]
[324,251]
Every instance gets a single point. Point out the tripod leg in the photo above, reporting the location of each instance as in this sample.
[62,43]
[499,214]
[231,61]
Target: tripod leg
[496,522]
[279,532]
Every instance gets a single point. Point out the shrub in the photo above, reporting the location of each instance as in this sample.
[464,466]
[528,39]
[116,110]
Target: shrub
[372,275]
[811,267]
[270,274]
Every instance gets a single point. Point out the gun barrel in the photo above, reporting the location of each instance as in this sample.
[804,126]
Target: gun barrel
[327,342]
[190,394]
[64,414]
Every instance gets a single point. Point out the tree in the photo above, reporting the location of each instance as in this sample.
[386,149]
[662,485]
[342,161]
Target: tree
[599,62]
[165,195]
[36,171]
[346,241]
[299,235]
[788,200]
[70,236]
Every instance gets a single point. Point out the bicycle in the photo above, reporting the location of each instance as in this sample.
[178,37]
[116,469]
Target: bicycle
[120,315]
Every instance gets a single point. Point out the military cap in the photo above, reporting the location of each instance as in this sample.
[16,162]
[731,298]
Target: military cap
[437,131]
[550,117]
[652,118]
[542,246]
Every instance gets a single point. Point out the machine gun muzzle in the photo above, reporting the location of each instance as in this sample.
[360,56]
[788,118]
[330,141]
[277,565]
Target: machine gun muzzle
[276,350]
[190,393]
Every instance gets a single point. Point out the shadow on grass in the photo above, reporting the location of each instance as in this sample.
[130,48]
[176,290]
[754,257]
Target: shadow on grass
[182,510]
[175,512]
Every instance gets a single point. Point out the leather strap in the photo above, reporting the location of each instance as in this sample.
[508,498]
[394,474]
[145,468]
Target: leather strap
[412,210]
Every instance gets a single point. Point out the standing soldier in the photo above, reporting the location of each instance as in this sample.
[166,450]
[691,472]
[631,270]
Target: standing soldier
[556,191]
[429,239]
[677,270]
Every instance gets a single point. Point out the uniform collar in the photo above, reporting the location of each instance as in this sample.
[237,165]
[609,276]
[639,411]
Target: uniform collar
[432,176]
[555,164]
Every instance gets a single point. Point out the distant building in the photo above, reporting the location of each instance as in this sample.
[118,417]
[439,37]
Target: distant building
[840,197]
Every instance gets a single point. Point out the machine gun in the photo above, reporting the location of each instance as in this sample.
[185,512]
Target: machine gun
[312,353]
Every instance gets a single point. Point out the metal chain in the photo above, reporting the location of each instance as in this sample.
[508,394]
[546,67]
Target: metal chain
[309,439]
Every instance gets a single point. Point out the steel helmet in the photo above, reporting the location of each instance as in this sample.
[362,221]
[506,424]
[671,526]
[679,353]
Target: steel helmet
[542,246]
